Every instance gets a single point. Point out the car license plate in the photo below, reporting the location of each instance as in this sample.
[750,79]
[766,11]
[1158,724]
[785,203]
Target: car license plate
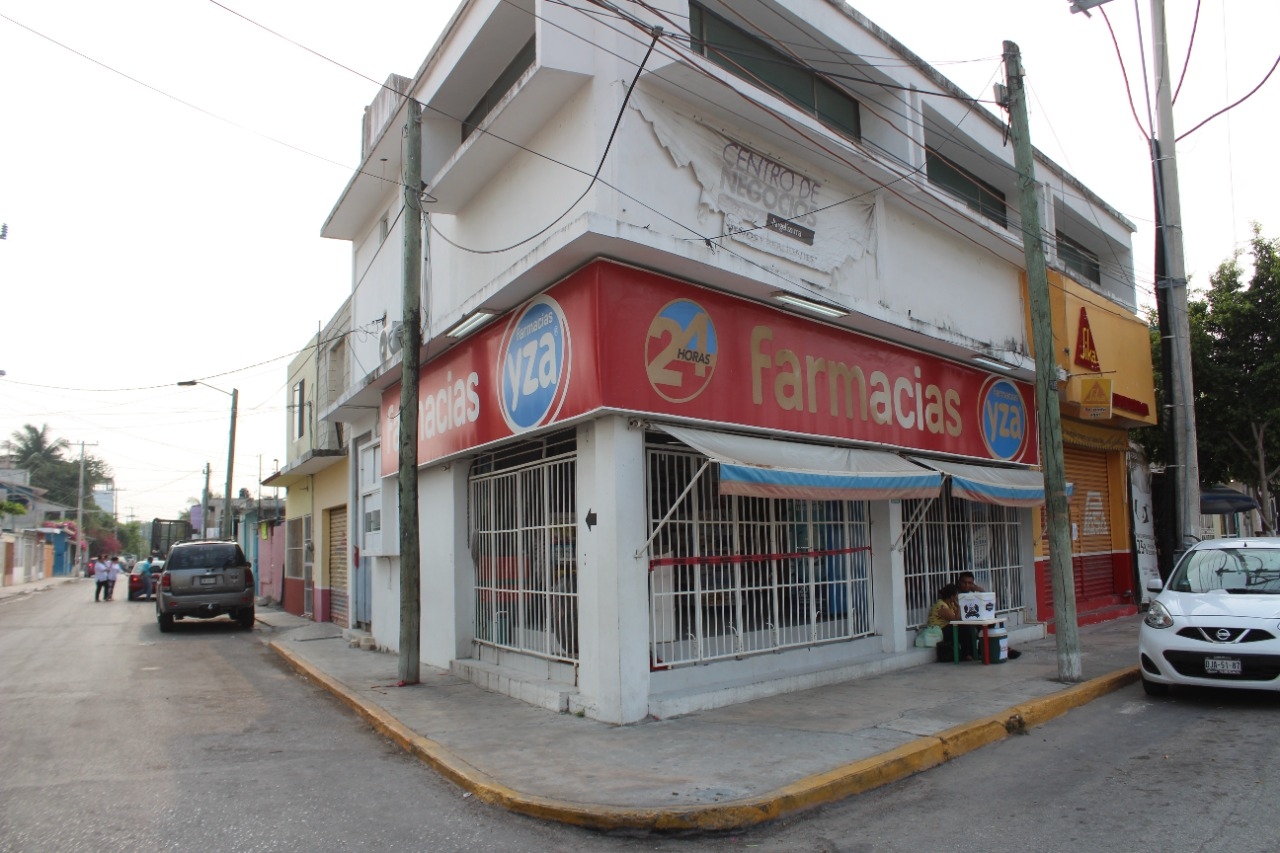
[212,581]
[1223,666]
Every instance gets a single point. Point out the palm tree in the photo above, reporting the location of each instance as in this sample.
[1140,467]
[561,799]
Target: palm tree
[33,450]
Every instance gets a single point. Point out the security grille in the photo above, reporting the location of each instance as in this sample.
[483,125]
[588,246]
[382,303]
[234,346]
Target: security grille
[958,535]
[523,531]
[293,548]
[731,576]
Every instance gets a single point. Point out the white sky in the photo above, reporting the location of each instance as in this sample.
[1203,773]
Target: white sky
[150,242]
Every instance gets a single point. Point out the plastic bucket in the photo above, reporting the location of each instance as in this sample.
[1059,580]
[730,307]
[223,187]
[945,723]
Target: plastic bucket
[997,644]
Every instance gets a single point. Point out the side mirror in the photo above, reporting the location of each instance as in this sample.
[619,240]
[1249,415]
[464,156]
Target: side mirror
[1154,584]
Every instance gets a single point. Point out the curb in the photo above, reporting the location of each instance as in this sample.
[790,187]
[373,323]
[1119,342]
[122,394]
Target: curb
[820,789]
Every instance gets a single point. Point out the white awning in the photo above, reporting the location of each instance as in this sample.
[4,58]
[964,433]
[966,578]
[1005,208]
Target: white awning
[768,468]
[1003,486]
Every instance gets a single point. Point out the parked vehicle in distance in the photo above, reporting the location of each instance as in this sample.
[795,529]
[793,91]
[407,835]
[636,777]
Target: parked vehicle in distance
[1216,621]
[204,578]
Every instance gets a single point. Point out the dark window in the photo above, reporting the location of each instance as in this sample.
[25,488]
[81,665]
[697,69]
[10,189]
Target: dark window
[752,59]
[213,556]
[976,193]
[522,63]
[1079,260]
[299,408]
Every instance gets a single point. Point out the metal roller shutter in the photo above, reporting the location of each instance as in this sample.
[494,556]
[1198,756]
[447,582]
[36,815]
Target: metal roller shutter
[1090,508]
[339,594]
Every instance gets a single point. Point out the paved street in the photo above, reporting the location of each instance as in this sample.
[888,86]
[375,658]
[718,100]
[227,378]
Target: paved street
[118,738]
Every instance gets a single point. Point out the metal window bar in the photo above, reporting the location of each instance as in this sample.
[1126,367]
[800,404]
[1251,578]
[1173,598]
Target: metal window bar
[735,576]
[523,543]
[956,535]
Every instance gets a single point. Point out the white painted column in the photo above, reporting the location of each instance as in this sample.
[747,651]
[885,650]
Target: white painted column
[613,585]
[890,581]
[446,586]
[1028,533]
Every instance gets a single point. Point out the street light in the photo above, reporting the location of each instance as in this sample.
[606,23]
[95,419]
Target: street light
[231,449]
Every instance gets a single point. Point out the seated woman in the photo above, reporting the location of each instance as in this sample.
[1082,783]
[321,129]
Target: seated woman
[947,610]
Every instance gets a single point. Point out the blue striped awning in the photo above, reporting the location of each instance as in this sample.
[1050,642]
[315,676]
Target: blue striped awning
[770,468]
[987,484]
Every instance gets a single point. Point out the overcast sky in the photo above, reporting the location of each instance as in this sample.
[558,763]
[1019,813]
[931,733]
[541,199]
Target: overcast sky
[166,166]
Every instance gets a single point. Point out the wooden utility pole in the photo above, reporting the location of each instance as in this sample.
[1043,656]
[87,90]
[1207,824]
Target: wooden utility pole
[1048,416]
[410,558]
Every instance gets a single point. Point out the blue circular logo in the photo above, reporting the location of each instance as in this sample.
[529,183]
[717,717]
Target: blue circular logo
[534,365]
[681,351]
[1004,418]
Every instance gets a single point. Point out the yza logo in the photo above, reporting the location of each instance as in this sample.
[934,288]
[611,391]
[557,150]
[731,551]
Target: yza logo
[680,352]
[1004,418]
[535,357]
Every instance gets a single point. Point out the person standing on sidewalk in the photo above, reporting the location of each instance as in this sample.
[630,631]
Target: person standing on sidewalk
[98,569]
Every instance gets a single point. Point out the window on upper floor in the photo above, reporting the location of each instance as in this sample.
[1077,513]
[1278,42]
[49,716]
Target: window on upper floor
[978,195]
[1079,260]
[370,468]
[299,408]
[749,57]
[523,62]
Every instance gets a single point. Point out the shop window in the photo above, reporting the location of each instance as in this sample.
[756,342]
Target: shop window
[957,535]
[523,525]
[752,59]
[731,575]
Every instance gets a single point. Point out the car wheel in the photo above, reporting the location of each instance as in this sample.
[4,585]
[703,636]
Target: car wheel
[245,617]
[165,620]
[1154,688]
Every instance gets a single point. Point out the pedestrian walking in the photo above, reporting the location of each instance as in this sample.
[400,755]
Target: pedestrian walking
[98,568]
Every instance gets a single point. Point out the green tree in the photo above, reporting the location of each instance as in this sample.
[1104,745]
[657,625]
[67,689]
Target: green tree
[43,457]
[1236,369]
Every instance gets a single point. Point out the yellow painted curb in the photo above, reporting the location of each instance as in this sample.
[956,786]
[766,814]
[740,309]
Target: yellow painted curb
[816,790]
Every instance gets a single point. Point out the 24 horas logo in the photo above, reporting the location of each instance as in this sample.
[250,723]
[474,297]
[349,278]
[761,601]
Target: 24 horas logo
[680,351]
[535,354]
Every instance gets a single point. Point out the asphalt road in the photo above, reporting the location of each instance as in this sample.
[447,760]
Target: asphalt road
[115,737]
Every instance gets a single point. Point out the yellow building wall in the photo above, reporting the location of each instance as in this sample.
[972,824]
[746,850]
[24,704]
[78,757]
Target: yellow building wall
[1122,343]
[331,486]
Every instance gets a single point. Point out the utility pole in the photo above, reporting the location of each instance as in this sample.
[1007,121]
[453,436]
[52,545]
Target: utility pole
[228,525]
[1171,289]
[410,560]
[204,506]
[1048,416]
[80,542]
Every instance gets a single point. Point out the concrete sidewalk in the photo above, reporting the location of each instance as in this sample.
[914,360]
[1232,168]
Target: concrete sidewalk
[727,768]
[15,590]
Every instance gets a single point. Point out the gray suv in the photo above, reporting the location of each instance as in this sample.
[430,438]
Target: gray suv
[204,578]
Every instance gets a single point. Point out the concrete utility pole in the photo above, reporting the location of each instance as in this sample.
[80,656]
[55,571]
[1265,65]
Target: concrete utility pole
[1172,291]
[204,505]
[410,560]
[228,525]
[1048,416]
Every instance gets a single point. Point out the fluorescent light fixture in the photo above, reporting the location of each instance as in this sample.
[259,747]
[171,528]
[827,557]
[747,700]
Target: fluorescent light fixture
[992,363]
[470,323]
[826,309]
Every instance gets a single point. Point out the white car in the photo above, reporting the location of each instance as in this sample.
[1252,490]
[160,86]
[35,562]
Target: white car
[1216,621]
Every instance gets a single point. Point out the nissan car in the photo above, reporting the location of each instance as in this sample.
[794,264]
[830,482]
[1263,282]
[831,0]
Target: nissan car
[1216,621]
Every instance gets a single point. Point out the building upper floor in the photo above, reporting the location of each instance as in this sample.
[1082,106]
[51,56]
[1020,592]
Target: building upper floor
[774,149]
